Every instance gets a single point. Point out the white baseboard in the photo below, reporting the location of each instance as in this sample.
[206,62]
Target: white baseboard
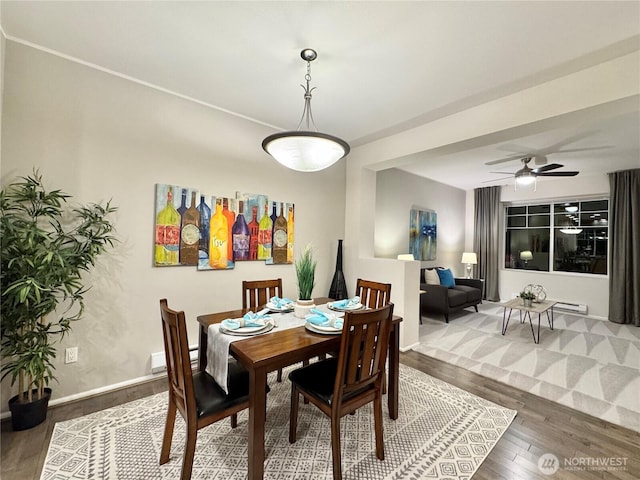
[410,347]
[96,391]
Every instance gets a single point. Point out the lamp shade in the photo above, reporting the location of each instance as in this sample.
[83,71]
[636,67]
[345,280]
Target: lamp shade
[469,257]
[305,151]
[406,256]
[526,255]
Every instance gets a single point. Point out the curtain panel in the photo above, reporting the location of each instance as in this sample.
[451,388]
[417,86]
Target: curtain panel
[486,240]
[624,240]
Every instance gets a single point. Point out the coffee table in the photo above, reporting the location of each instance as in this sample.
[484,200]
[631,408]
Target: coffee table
[536,307]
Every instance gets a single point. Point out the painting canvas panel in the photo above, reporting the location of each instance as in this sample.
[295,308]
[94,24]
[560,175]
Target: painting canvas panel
[258,219]
[423,229]
[215,240]
[282,233]
[177,226]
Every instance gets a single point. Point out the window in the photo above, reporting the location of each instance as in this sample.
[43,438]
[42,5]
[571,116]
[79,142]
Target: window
[561,237]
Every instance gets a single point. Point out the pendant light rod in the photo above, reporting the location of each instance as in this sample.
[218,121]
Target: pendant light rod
[309,55]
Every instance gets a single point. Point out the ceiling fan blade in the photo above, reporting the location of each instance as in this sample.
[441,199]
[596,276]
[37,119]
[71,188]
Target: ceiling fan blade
[539,155]
[557,174]
[498,179]
[585,149]
[557,147]
[544,168]
[503,160]
[505,173]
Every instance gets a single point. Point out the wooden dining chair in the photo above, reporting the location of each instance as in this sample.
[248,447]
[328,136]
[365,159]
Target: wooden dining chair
[373,294]
[340,385]
[256,293]
[197,396]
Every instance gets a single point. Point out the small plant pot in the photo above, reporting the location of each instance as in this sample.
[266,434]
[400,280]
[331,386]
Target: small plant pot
[28,415]
[302,308]
[527,302]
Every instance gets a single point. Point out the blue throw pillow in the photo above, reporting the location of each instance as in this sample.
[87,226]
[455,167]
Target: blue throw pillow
[446,277]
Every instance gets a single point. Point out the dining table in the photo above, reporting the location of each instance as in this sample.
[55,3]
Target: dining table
[279,348]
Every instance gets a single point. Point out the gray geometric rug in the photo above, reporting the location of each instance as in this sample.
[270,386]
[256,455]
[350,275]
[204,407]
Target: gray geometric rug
[584,363]
[442,432]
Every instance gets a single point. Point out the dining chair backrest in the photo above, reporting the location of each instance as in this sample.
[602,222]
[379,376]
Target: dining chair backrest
[256,293]
[373,294]
[176,348]
[362,356]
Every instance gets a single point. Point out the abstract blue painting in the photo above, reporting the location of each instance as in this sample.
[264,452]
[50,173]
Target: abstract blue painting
[423,238]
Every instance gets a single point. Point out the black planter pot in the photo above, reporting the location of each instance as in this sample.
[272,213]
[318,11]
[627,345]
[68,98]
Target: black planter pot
[28,415]
[338,289]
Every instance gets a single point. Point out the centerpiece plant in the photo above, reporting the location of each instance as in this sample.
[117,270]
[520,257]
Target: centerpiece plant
[46,249]
[305,273]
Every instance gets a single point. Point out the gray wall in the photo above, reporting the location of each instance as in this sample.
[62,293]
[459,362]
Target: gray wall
[100,137]
[396,192]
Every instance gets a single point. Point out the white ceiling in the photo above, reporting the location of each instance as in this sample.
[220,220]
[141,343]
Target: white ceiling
[382,66]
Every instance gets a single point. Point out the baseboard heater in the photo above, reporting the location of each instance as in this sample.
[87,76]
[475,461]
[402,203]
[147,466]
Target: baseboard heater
[571,307]
[159,362]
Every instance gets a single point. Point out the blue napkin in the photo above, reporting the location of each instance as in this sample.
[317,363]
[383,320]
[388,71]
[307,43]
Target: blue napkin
[249,319]
[281,302]
[324,319]
[347,303]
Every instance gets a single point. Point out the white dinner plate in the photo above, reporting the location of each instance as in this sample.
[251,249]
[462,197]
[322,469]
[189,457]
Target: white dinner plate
[275,308]
[330,305]
[246,331]
[322,329]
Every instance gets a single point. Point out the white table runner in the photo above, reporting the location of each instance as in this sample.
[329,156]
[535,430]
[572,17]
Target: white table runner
[218,343]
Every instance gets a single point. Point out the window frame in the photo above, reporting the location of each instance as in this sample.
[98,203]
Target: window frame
[553,227]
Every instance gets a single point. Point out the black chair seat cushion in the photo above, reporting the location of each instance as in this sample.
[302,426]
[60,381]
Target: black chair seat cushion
[472,294]
[211,398]
[319,378]
[456,296]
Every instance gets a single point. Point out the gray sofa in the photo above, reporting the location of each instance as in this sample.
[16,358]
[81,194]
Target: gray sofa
[467,292]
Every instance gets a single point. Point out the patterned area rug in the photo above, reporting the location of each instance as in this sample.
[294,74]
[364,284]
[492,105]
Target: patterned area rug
[587,364]
[442,432]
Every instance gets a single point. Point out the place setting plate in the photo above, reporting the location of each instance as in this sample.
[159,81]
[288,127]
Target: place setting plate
[324,330]
[274,308]
[247,331]
[331,306]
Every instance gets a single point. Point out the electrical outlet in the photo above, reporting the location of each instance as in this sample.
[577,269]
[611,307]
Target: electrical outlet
[71,355]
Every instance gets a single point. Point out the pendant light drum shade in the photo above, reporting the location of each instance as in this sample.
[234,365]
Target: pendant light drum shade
[305,151]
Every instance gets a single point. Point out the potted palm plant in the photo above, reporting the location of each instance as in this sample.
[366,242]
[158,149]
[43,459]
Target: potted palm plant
[305,272]
[45,250]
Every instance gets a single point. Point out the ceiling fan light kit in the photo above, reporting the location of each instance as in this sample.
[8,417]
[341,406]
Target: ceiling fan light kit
[527,175]
[525,179]
[306,150]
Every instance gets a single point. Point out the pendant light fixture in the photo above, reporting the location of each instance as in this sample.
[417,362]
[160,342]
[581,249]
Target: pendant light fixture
[306,150]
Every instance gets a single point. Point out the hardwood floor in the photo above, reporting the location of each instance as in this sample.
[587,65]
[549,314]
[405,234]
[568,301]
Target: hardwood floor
[541,426]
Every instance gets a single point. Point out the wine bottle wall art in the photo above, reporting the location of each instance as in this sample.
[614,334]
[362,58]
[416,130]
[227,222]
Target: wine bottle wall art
[214,232]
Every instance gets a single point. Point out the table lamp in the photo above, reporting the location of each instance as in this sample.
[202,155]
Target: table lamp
[470,259]
[525,256]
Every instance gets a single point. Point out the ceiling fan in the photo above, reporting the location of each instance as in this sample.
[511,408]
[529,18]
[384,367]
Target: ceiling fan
[527,175]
